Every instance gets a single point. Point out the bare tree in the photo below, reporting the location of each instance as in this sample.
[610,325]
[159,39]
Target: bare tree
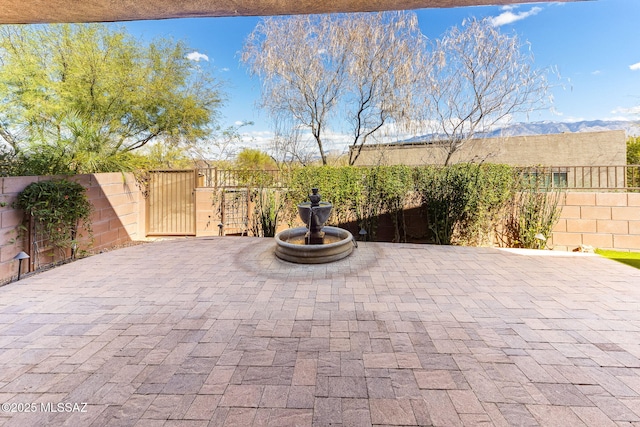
[478,78]
[359,67]
[288,145]
[224,144]
[386,64]
[302,70]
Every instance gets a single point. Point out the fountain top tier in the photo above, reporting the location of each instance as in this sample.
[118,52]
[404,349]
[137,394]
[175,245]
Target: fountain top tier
[314,214]
[314,198]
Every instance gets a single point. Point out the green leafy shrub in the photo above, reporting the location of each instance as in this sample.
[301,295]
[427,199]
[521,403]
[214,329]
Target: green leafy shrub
[447,194]
[462,203]
[58,207]
[633,158]
[495,187]
[357,194]
[532,214]
[386,191]
[342,186]
[266,212]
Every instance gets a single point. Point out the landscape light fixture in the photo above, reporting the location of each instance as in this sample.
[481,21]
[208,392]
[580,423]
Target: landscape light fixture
[22,255]
[543,240]
[363,234]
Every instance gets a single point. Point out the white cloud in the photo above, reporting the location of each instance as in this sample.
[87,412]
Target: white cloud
[635,67]
[596,73]
[334,141]
[197,56]
[632,110]
[573,119]
[224,70]
[555,112]
[257,139]
[509,17]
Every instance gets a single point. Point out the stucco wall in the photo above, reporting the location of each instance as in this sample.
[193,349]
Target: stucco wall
[566,149]
[117,217]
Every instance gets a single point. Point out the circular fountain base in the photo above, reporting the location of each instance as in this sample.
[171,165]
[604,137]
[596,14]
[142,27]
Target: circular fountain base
[340,247]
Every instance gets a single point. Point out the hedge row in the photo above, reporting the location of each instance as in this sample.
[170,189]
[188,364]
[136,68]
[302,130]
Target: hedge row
[461,204]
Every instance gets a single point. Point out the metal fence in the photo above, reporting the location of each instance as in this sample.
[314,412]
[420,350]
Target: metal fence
[587,178]
[234,178]
[591,178]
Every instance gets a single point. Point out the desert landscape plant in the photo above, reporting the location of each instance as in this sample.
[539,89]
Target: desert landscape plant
[59,208]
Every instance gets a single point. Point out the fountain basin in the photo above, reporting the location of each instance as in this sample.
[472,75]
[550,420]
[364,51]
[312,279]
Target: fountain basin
[341,247]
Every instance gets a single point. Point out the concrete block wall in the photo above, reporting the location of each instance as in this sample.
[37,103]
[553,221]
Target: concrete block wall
[118,215]
[208,210]
[601,220]
[11,238]
[118,208]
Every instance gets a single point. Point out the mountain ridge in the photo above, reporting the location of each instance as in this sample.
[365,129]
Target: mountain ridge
[549,127]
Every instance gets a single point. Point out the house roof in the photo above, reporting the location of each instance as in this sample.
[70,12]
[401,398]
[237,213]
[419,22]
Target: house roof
[50,11]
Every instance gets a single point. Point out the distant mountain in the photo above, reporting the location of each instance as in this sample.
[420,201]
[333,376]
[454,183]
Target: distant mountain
[544,128]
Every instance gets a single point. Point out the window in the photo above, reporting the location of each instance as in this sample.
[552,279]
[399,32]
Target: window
[546,179]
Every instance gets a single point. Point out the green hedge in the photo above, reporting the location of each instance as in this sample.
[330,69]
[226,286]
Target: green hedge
[460,204]
[464,201]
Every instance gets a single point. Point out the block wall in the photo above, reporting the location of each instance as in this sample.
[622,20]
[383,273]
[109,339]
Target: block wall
[118,216]
[601,220]
[118,208]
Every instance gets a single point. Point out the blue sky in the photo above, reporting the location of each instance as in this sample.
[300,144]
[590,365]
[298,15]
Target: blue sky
[595,46]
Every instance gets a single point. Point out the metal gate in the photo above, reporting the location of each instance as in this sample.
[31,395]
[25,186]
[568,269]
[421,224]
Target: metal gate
[235,211]
[171,207]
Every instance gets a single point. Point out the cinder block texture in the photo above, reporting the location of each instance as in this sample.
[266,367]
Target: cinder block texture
[602,220]
[117,217]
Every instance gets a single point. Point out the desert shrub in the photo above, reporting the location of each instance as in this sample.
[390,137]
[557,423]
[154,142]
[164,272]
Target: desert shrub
[462,203]
[532,214]
[266,211]
[447,193]
[342,186]
[495,186]
[357,194]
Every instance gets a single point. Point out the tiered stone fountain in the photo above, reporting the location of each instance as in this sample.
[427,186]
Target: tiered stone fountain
[315,243]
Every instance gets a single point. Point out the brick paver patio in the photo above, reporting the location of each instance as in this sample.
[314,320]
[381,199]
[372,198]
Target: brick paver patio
[216,331]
